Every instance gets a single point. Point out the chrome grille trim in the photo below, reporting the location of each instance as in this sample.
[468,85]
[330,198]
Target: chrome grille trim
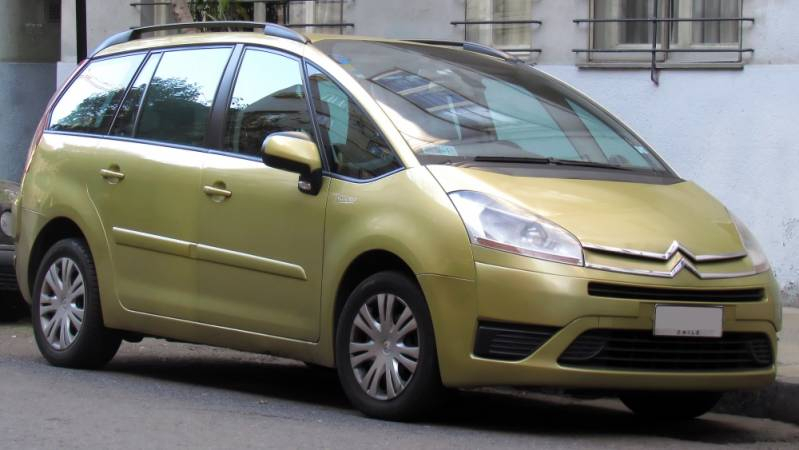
[673,272]
[686,261]
[667,255]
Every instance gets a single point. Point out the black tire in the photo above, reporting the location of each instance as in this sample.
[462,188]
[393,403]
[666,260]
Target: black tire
[423,392]
[670,405]
[93,345]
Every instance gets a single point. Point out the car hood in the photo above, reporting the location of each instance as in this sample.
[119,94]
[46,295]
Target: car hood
[637,216]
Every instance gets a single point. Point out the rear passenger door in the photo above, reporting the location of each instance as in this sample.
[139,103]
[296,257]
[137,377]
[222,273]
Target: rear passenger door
[147,176]
[260,246]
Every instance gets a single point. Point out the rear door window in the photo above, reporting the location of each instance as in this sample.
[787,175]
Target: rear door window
[178,101]
[89,104]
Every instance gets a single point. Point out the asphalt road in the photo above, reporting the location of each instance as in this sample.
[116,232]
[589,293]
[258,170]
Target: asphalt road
[156,394]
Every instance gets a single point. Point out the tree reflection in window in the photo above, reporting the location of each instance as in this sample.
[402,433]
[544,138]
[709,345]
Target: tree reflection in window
[178,101]
[126,117]
[89,105]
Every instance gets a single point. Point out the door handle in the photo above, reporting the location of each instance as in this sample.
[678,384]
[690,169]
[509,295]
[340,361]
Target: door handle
[213,191]
[112,175]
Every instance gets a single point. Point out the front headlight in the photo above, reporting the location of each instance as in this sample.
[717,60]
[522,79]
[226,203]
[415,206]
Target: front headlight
[756,254]
[501,225]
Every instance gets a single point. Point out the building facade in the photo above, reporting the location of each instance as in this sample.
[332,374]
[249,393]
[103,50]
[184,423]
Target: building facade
[709,83]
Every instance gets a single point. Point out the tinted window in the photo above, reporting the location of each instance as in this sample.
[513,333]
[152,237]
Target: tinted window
[89,104]
[126,117]
[178,101]
[268,97]
[353,143]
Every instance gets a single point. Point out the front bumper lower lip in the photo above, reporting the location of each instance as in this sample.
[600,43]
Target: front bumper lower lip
[543,369]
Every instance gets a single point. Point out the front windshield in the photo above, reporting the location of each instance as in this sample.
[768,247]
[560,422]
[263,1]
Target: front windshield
[451,105]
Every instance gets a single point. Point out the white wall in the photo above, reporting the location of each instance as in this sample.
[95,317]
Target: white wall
[107,17]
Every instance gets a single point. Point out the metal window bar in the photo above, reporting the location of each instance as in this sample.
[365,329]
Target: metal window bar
[654,50]
[466,23]
[341,25]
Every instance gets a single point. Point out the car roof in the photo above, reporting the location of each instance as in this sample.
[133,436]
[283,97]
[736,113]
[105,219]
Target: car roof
[219,38]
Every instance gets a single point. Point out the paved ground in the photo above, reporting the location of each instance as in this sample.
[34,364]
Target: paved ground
[165,395]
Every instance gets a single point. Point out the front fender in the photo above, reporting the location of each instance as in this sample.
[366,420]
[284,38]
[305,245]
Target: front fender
[407,214]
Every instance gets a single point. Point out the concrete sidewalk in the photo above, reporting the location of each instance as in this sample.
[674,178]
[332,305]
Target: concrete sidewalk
[779,401]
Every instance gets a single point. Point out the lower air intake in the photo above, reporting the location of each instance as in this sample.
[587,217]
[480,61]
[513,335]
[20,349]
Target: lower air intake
[508,341]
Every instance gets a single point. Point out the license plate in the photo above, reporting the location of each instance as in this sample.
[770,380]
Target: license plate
[688,321]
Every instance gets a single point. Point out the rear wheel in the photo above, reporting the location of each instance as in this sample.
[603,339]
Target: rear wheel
[385,349]
[67,317]
[670,405]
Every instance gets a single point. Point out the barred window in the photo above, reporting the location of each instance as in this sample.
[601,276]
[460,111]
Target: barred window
[307,16]
[317,16]
[504,24]
[684,31]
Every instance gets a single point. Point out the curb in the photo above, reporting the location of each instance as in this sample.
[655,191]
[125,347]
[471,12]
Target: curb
[779,401]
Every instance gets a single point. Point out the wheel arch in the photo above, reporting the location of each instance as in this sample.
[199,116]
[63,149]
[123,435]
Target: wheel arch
[55,230]
[363,266]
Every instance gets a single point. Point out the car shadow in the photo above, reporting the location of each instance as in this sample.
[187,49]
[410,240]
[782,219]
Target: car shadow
[475,410]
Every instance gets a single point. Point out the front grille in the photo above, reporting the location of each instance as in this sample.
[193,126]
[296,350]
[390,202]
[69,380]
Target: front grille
[508,341]
[690,295]
[632,349]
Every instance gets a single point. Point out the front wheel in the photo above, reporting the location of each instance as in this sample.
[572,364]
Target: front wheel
[670,405]
[66,314]
[385,349]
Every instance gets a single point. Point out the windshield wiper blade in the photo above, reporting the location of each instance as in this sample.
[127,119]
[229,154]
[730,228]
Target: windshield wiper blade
[513,159]
[599,165]
[549,161]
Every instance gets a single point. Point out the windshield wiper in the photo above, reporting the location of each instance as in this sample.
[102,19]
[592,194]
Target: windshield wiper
[512,159]
[548,161]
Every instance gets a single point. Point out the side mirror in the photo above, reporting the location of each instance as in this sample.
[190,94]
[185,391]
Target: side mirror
[294,151]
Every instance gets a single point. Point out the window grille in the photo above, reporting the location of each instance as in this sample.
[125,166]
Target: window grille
[665,33]
[324,16]
[504,24]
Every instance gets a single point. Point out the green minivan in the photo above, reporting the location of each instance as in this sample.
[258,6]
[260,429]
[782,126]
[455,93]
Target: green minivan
[418,215]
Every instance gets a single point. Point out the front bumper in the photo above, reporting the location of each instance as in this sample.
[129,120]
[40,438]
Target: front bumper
[508,295]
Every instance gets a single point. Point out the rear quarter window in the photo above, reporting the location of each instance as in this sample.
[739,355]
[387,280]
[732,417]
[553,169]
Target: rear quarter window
[89,104]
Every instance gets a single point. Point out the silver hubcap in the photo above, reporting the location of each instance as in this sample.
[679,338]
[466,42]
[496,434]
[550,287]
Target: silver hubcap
[384,346]
[61,303]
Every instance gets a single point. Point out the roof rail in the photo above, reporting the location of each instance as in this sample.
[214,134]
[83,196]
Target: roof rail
[470,47]
[270,29]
